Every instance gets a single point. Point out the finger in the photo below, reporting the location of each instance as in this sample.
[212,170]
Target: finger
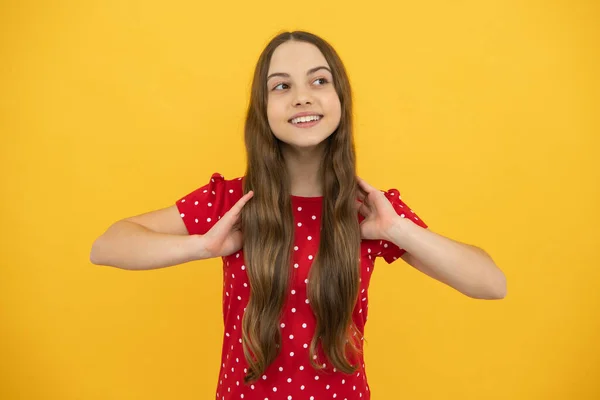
[364,185]
[361,195]
[363,209]
[237,207]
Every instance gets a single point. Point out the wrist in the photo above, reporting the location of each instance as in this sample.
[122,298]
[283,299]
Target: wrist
[398,231]
[197,247]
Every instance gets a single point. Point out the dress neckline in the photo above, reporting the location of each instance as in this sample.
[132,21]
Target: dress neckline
[306,199]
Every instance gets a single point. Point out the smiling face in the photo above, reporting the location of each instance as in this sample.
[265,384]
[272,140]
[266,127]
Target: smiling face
[299,81]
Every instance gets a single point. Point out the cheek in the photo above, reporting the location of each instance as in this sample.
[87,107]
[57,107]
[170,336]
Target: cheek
[333,105]
[274,113]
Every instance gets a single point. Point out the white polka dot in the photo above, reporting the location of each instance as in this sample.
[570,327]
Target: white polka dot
[296,248]
[299,223]
[305,345]
[310,257]
[230,190]
[291,354]
[293,291]
[309,238]
[314,217]
[243,267]
[210,204]
[280,369]
[316,377]
[302,388]
[274,389]
[208,220]
[282,325]
[302,368]
[304,325]
[291,336]
[296,265]
[289,380]
[293,310]
[264,377]
[299,208]
[182,215]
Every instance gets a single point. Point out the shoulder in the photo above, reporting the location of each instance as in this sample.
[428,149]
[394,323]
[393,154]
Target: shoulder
[217,188]
[201,208]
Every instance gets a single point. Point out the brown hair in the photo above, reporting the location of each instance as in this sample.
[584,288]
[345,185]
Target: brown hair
[268,226]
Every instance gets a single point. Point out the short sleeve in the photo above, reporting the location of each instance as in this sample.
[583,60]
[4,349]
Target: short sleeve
[203,207]
[389,251]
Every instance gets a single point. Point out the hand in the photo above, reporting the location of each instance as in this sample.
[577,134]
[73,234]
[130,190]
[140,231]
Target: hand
[380,216]
[225,237]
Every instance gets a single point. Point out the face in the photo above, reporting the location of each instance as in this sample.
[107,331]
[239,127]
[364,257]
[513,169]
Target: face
[296,84]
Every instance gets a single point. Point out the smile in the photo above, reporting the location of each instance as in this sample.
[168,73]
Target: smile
[306,122]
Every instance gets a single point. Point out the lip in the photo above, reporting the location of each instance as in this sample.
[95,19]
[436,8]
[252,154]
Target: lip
[304,114]
[306,124]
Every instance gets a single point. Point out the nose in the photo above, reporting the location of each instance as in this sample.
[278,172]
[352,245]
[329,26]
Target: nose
[302,97]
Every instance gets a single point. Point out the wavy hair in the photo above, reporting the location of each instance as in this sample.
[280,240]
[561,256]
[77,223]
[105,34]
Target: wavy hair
[268,226]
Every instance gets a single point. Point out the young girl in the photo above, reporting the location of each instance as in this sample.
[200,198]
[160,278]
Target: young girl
[298,235]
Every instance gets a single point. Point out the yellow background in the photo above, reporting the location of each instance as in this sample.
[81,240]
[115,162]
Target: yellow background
[483,114]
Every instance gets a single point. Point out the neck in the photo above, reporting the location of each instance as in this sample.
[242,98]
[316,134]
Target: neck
[304,170]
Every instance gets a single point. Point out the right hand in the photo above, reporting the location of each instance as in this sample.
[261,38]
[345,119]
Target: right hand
[225,237]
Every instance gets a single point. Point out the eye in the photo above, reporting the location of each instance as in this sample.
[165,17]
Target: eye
[275,88]
[322,79]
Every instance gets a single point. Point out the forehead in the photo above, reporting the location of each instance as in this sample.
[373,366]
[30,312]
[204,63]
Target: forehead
[296,58]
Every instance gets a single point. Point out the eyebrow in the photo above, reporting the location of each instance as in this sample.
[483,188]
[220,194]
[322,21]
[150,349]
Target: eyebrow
[310,71]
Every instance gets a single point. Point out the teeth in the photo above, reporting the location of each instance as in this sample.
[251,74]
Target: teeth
[306,119]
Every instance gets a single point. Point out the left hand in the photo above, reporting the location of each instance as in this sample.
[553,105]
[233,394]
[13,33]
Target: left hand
[380,216]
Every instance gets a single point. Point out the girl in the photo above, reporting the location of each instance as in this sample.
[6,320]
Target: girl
[298,235]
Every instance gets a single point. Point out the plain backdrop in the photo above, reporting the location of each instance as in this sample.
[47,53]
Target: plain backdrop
[484,115]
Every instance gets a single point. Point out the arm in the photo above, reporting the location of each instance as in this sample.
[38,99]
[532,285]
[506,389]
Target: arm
[153,240]
[464,267]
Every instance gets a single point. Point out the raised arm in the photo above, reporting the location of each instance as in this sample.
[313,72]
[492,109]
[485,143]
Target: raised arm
[153,240]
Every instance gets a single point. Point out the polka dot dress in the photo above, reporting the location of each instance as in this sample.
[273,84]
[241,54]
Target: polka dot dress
[290,376]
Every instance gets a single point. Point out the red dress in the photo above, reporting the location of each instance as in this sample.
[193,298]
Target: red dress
[290,376]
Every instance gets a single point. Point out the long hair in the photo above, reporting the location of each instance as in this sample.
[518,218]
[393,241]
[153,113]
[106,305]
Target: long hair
[268,227]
